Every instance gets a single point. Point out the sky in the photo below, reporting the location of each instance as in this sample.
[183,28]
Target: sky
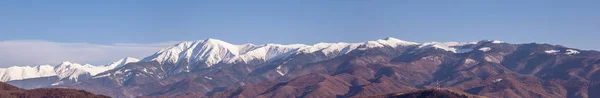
[139,28]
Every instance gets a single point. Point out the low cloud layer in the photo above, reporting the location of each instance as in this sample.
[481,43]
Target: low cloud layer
[36,52]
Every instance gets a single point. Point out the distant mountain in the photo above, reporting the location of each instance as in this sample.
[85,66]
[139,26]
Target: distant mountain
[215,68]
[9,91]
[47,75]
[26,72]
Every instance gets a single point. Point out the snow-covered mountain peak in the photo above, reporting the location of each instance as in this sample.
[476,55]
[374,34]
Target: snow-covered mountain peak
[130,58]
[122,62]
[215,41]
[209,51]
[390,38]
[497,41]
[395,40]
[66,63]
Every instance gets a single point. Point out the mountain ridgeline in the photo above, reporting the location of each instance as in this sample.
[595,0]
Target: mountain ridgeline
[214,68]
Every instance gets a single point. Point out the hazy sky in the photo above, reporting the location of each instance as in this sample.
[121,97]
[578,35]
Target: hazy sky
[573,23]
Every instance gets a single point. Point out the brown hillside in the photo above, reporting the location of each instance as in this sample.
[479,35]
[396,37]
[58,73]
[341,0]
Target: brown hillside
[9,91]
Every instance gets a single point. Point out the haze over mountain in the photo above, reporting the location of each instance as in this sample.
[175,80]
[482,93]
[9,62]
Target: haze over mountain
[38,52]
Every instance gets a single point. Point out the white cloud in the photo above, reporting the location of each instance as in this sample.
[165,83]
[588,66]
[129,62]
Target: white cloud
[36,52]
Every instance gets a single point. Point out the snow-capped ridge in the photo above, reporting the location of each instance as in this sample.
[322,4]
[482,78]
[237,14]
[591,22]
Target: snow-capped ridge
[65,63]
[398,41]
[122,62]
[390,41]
[212,51]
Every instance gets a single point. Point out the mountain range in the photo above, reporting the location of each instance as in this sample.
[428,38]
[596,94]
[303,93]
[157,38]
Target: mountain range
[215,68]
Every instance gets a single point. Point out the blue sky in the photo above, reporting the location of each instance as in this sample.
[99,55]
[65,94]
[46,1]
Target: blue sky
[573,23]
[569,22]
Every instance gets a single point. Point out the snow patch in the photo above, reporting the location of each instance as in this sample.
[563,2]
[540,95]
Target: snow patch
[552,51]
[485,49]
[497,42]
[572,52]
[491,58]
[568,52]
[470,61]
[497,80]
[145,70]
[57,83]
[448,46]
[279,71]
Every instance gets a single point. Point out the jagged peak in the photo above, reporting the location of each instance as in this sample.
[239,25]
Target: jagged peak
[69,63]
[215,41]
[130,59]
[497,41]
[122,62]
[392,39]
[66,63]
[211,39]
